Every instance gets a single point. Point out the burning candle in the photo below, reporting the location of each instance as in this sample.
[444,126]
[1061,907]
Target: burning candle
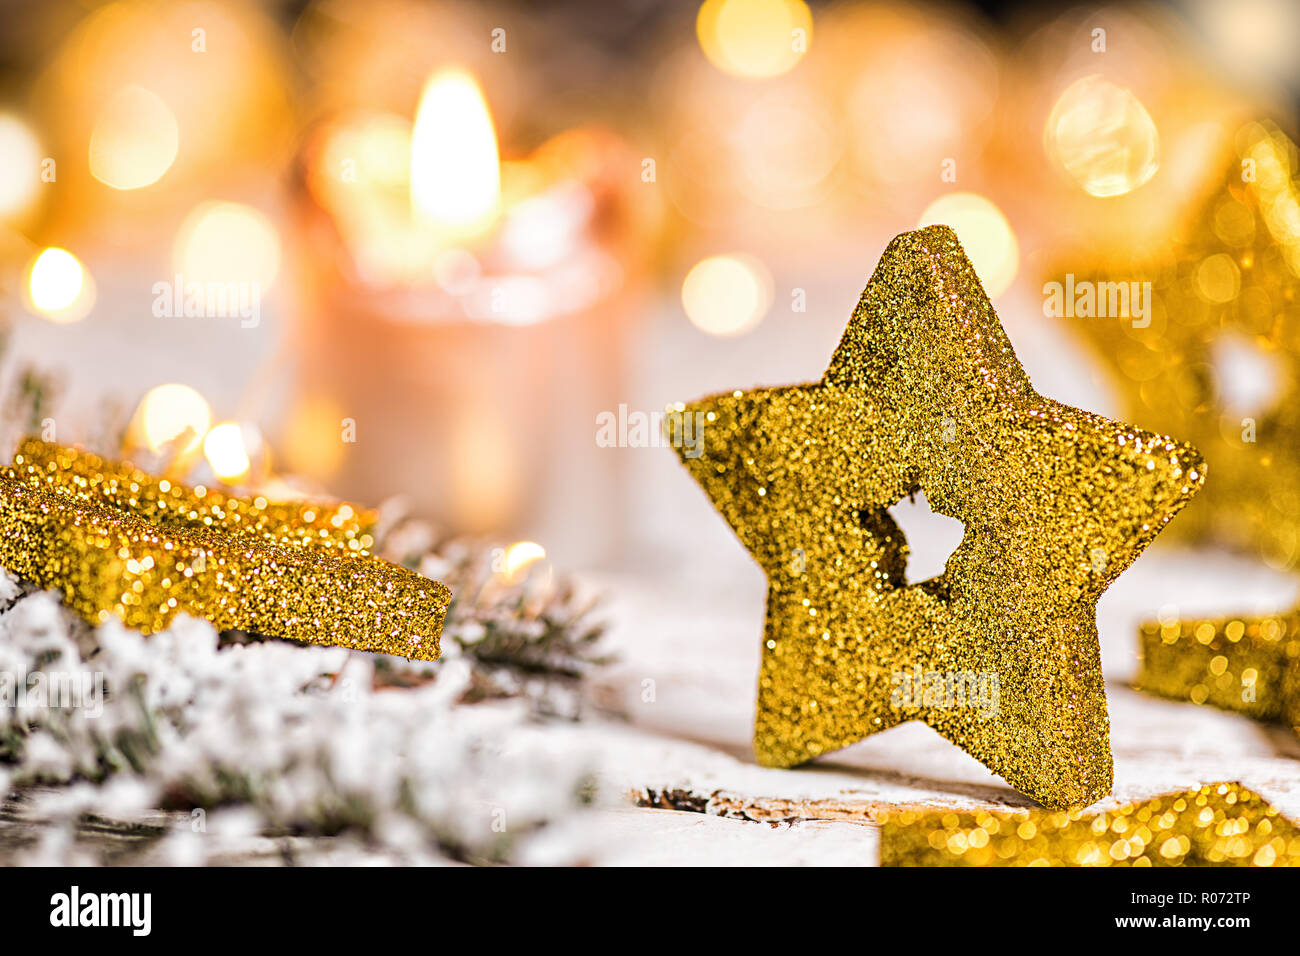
[466,319]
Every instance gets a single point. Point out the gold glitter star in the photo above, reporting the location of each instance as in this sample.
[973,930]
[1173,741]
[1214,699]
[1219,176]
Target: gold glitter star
[1220,824]
[118,542]
[998,654]
[1243,664]
[1217,360]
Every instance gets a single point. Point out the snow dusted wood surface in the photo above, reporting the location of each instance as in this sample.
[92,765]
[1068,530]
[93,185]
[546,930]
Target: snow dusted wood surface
[673,801]
[689,687]
[680,786]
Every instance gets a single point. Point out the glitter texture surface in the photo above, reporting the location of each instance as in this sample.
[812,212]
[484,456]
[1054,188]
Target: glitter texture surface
[117,542]
[122,486]
[1243,664]
[925,393]
[1221,824]
[1219,362]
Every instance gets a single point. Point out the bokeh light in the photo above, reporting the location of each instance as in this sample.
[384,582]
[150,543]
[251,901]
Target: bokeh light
[172,413]
[1254,38]
[984,233]
[311,443]
[1218,280]
[1103,137]
[226,447]
[227,242]
[20,162]
[485,477]
[727,295]
[520,556]
[59,287]
[363,179]
[1274,169]
[135,139]
[370,148]
[754,38]
[788,145]
[915,93]
[1250,379]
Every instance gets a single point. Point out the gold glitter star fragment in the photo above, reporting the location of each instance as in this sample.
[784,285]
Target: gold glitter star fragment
[1221,824]
[1242,664]
[117,542]
[999,654]
[122,486]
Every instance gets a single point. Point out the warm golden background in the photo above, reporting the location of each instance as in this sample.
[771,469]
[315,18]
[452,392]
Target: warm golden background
[462,231]
[463,253]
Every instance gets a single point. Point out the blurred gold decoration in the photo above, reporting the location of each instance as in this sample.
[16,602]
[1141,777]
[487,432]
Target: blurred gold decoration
[1250,665]
[1128,134]
[118,542]
[1218,357]
[1220,824]
[925,393]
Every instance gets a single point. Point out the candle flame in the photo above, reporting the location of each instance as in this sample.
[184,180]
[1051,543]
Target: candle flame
[455,166]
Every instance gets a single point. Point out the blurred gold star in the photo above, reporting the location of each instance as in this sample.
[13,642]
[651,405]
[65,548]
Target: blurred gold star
[1250,665]
[1217,359]
[999,654]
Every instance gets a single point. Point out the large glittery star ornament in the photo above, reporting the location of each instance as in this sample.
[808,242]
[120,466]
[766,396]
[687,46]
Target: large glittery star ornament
[117,542]
[1216,359]
[999,654]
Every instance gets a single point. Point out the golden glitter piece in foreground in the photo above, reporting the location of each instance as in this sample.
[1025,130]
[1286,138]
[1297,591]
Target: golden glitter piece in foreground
[118,542]
[1221,824]
[1217,360]
[120,485]
[925,394]
[1243,664]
